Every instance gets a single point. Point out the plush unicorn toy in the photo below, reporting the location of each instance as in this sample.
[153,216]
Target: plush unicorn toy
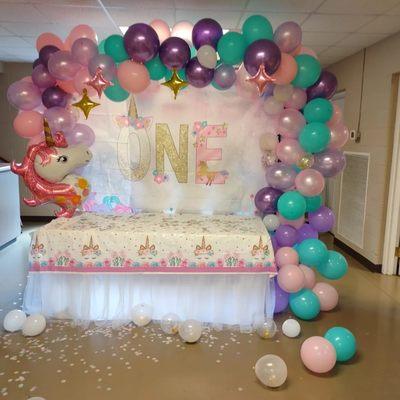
[46,172]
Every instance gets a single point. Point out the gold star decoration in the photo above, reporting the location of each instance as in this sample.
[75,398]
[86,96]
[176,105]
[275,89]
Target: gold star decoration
[99,83]
[261,79]
[85,104]
[175,83]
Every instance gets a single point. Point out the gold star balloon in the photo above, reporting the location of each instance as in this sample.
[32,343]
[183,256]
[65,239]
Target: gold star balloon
[85,104]
[261,79]
[99,83]
[175,83]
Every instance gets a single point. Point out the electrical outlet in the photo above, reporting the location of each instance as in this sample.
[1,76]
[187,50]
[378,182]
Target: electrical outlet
[353,134]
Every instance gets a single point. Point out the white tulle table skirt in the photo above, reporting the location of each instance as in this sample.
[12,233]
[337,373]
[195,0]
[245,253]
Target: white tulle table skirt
[218,299]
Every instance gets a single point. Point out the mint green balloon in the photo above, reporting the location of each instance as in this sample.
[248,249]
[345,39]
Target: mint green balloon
[156,68]
[181,74]
[114,47]
[314,137]
[318,110]
[116,93]
[334,267]
[257,27]
[343,341]
[304,304]
[312,252]
[231,48]
[101,47]
[291,205]
[308,71]
[313,203]
[193,52]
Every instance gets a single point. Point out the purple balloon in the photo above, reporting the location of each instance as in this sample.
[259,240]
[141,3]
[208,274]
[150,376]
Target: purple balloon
[265,52]
[106,63]
[174,53]
[62,66]
[36,63]
[206,31]
[83,50]
[275,244]
[330,162]
[324,87]
[41,77]
[322,220]
[54,97]
[24,95]
[306,231]
[288,36]
[80,134]
[59,119]
[45,53]
[266,200]
[197,75]
[141,42]
[281,298]
[286,236]
[280,176]
[225,76]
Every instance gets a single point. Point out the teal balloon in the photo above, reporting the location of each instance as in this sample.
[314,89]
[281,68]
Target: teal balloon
[334,267]
[156,68]
[312,252]
[181,74]
[304,304]
[313,203]
[257,27]
[193,52]
[291,205]
[343,341]
[318,110]
[114,47]
[116,93]
[308,71]
[231,48]
[216,86]
[314,137]
[100,47]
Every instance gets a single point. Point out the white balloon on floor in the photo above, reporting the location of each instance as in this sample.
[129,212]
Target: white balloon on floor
[142,314]
[190,330]
[291,328]
[271,370]
[170,323]
[34,325]
[14,320]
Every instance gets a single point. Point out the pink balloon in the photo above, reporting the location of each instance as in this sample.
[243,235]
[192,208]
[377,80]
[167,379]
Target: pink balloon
[28,124]
[62,66]
[162,29]
[287,70]
[35,139]
[49,39]
[286,256]
[298,99]
[272,106]
[67,86]
[309,276]
[309,182]
[291,278]
[291,122]
[80,134]
[133,76]
[308,51]
[337,115]
[296,223]
[318,354]
[245,88]
[80,82]
[339,135]
[327,295]
[42,78]
[83,50]
[80,31]
[183,30]
[289,151]
[60,119]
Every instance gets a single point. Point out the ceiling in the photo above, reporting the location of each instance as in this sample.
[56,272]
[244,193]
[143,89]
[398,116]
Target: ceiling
[335,29]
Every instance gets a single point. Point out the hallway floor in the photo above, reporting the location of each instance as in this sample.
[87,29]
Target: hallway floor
[67,362]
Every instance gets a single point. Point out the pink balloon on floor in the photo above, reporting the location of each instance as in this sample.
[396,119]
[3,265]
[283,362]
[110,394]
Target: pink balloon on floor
[286,256]
[309,276]
[162,29]
[28,124]
[289,151]
[49,39]
[327,295]
[287,70]
[296,223]
[291,278]
[339,135]
[310,182]
[318,354]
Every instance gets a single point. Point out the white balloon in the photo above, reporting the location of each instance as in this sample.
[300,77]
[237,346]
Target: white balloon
[183,30]
[271,370]
[291,328]
[14,320]
[34,325]
[36,398]
[207,56]
[170,323]
[272,106]
[268,141]
[271,222]
[190,330]
[142,314]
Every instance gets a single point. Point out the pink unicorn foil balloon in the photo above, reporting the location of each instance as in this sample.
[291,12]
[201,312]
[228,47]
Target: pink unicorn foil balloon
[46,171]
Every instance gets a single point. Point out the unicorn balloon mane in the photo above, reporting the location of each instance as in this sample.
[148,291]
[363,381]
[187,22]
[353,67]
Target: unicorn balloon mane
[46,169]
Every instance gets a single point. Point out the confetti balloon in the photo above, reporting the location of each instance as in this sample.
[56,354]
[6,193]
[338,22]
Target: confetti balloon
[34,325]
[170,324]
[142,314]
[190,330]
[271,370]
[14,320]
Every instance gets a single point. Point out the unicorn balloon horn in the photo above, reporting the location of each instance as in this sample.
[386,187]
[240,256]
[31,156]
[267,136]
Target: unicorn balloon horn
[47,134]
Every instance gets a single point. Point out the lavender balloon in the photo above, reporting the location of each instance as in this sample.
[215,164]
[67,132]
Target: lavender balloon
[54,97]
[41,77]
[275,244]
[286,236]
[141,42]
[197,75]
[281,298]
[45,53]
[265,52]
[225,76]
[62,66]
[266,200]
[81,134]
[330,162]
[24,95]
[306,231]
[59,119]
[174,53]
[322,220]
[206,31]
[106,63]
[280,176]
[324,87]
[288,36]
[83,50]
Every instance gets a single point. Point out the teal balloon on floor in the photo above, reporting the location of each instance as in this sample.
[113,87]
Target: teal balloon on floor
[334,267]
[308,71]
[156,68]
[116,92]
[312,252]
[291,205]
[304,304]
[343,341]
[314,137]
[318,110]
[313,203]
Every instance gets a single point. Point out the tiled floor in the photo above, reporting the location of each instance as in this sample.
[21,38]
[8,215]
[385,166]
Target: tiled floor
[66,362]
